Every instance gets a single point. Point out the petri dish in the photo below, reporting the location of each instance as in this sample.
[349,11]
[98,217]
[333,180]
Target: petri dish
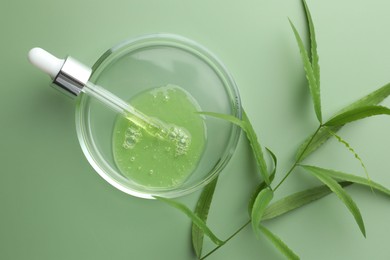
[145,63]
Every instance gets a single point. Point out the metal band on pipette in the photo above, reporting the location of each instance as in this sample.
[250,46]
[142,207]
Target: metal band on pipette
[73,76]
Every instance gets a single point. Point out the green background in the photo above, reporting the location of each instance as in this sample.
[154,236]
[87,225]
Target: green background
[54,206]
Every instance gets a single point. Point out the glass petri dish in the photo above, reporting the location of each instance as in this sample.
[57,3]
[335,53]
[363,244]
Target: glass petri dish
[145,63]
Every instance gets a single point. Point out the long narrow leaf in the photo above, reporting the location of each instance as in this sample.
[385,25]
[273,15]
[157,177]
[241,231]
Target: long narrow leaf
[314,87]
[275,160]
[313,45]
[352,178]
[194,218]
[252,137]
[202,211]
[371,99]
[261,202]
[297,200]
[257,190]
[279,244]
[256,147]
[357,114]
[229,118]
[321,174]
[262,185]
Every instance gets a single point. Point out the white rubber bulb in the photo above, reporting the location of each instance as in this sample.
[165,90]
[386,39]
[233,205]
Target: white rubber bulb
[45,61]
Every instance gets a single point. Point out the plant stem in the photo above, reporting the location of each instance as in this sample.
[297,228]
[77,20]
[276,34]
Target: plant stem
[299,158]
[224,242]
[297,161]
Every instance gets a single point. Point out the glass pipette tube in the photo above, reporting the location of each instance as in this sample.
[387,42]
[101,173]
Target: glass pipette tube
[151,125]
[73,77]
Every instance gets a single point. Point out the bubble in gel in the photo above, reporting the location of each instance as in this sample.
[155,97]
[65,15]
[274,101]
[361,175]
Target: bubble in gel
[133,135]
[131,131]
[172,135]
[129,143]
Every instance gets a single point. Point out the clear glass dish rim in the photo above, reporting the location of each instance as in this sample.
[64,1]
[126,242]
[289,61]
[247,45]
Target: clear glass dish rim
[158,39]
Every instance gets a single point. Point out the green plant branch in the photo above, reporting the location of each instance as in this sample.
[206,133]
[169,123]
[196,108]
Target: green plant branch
[296,163]
[360,109]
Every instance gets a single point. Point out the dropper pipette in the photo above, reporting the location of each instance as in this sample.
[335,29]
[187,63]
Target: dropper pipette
[73,77]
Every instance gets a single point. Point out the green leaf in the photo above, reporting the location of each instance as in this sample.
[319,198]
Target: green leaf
[297,200]
[322,175]
[261,202]
[256,147]
[314,87]
[374,98]
[279,244]
[252,137]
[314,141]
[202,210]
[256,192]
[275,160]
[313,45]
[262,185]
[357,114]
[352,178]
[323,134]
[229,118]
[194,218]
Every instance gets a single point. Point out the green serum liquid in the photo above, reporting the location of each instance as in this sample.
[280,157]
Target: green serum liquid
[166,159]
